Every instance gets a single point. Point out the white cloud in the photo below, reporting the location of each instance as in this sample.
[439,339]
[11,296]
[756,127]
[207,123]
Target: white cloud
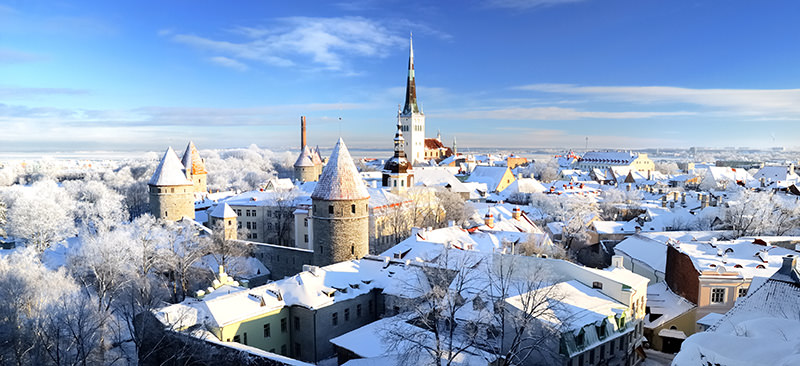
[229,62]
[551,113]
[304,41]
[527,4]
[780,103]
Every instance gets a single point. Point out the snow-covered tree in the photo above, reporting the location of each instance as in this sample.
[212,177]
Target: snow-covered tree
[97,207]
[41,215]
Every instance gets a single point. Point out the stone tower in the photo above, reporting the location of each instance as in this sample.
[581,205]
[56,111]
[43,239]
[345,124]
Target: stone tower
[411,117]
[224,218]
[195,168]
[340,211]
[171,194]
[398,174]
[308,166]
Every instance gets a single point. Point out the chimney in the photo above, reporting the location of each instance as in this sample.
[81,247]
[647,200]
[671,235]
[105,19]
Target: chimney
[763,184]
[683,198]
[704,201]
[516,213]
[664,201]
[638,229]
[789,265]
[489,219]
[671,204]
[616,261]
[302,132]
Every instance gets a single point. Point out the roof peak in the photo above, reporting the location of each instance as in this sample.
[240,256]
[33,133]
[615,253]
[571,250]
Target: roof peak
[340,179]
[170,171]
[410,105]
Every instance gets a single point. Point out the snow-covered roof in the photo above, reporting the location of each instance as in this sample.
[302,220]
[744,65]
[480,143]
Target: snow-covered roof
[614,227]
[170,171]
[652,252]
[305,159]
[340,179]
[740,256]
[492,176]
[438,177]
[763,328]
[609,157]
[223,211]
[664,305]
[192,161]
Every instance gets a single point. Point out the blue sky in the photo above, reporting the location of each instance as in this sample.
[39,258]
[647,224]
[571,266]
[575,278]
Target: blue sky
[110,75]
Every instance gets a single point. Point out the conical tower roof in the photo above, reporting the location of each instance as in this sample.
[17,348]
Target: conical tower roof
[305,159]
[192,161]
[340,179]
[410,105]
[169,171]
[223,211]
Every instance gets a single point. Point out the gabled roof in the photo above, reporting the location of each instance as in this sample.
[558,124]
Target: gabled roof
[223,211]
[192,161]
[169,171]
[340,179]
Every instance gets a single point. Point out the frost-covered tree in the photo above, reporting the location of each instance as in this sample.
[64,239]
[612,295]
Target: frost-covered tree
[667,167]
[41,215]
[97,207]
[454,207]
[182,250]
[435,311]
[518,329]
[760,213]
[44,319]
[573,211]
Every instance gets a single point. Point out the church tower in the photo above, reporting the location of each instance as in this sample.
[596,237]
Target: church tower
[195,168]
[340,211]
[411,117]
[171,194]
[223,218]
[398,174]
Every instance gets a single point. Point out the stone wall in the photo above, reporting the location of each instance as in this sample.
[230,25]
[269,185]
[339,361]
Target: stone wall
[307,173]
[199,182]
[281,261]
[172,202]
[341,230]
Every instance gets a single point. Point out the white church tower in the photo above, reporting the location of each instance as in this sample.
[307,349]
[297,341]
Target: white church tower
[411,119]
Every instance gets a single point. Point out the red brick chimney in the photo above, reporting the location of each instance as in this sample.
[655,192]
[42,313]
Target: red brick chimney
[302,132]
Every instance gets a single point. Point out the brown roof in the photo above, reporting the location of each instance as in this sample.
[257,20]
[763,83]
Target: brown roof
[433,144]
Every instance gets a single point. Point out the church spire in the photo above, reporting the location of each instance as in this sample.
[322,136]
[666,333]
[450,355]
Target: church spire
[411,86]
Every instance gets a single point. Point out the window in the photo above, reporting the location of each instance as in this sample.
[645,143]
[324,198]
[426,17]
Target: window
[237,339]
[742,291]
[283,325]
[346,314]
[269,226]
[245,338]
[305,238]
[297,323]
[352,249]
[330,209]
[239,225]
[717,295]
[254,226]
[335,319]
[597,285]
[254,213]
[238,212]
[296,349]
[266,331]
[352,208]
[579,339]
[255,235]
[269,213]
[305,222]
[248,224]
[591,356]
[172,190]
[358,310]
[247,212]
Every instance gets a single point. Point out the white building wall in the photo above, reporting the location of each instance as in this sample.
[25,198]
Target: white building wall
[413,126]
